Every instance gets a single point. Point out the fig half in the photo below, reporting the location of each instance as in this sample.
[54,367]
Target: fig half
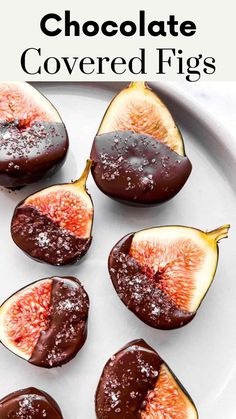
[54,225]
[45,323]
[137,383]
[162,274]
[138,109]
[29,403]
[138,152]
[33,138]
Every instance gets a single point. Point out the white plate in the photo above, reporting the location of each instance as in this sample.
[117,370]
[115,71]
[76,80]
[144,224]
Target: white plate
[202,354]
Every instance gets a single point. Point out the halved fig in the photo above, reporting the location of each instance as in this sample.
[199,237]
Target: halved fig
[137,383]
[162,274]
[138,152]
[138,109]
[33,138]
[45,323]
[54,225]
[29,403]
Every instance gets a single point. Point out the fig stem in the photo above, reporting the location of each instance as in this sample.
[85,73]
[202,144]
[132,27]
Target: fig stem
[138,85]
[219,233]
[83,178]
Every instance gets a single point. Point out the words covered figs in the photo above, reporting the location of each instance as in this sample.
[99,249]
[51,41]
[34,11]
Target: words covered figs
[138,152]
[33,138]
[45,323]
[29,403]
[162,274]
[54,225]
[137,383]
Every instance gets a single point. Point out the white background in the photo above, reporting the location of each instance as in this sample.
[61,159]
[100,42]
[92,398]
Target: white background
[219,99]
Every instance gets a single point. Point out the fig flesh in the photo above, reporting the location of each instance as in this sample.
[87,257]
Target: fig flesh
[137,383]
[45,323]
[29,403]
[162,274]
[54,225]
[138,109]
[138,152]
[33,138]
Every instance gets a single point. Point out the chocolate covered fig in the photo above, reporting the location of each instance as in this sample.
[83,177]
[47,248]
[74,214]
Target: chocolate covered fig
[33,138]
[137,384]
[45,323]
[138,152]
[29,403]
[162,274]
[54,225]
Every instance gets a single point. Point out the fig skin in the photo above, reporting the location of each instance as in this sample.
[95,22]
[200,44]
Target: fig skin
[12,403]
[137,168]
[33,151]
[64,351]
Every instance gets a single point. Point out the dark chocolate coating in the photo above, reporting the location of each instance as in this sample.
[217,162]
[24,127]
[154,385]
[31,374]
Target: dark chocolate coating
[29,403]
[139,293]
[67,330]
[137,168]
[29,153]
[43,239]
[126,379]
